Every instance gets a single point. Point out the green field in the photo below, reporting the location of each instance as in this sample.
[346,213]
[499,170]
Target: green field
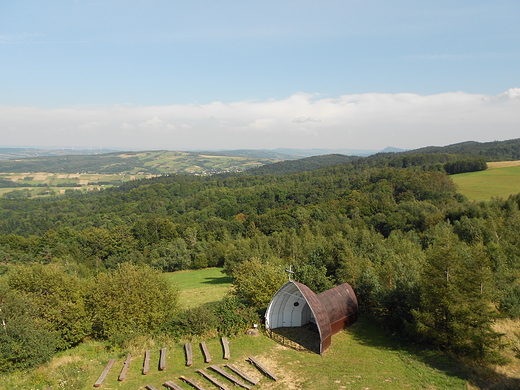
[199,287]
[483,185]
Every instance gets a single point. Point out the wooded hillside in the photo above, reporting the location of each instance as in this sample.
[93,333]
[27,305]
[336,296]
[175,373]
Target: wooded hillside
[423,260]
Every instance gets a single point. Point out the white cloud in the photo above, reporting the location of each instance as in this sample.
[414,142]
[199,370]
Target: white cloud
[512,93]
[303,119]
[362,121]
[127,126]
[155,122]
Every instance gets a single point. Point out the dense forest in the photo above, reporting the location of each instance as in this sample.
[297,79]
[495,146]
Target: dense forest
[424,262]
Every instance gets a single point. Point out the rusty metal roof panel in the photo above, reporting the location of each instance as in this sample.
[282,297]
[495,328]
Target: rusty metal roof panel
[340,302]
[319,312]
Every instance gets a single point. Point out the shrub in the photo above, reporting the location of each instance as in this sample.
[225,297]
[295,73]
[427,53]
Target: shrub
[130,300]
[256,281]
[58,298]
[234,317]
[197,321]
[25,339]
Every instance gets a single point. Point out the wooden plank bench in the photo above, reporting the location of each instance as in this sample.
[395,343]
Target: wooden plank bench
[122,375]
[189,354]
[213,380]
[193,383]
[104,373]
[150,387]
[207,356]
[242,374]
[230,377]
[262,368]
[162,360]
[146,364]
[172,386]
[225,345]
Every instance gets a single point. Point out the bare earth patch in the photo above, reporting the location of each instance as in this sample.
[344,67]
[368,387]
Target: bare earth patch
[503,164]
[285,376]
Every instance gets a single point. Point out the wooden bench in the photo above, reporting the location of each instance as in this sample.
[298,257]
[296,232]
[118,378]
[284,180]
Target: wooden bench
[232,378]
[172,386]
[122,375]
[146,364]
[104,373]
[242,374]
[262,368]
[189,354]
[225,345]
[207,356]
[213,380]
[194,384]
[162,361]
[150,387]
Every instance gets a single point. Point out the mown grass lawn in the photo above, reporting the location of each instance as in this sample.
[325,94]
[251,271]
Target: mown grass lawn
[200,286]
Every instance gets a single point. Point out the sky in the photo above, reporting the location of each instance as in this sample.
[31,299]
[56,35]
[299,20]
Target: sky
[247,74]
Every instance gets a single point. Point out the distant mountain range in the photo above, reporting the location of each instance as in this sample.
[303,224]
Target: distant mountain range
[256,162]
[7,153]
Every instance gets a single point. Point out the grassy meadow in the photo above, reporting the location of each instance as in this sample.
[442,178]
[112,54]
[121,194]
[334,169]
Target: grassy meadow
[361,358]
[201,286]
[501,179]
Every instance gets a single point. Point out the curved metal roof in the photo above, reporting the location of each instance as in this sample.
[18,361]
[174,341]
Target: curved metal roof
[330,309]
[318,311]
[339,302]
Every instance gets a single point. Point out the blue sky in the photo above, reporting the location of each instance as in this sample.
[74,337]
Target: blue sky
[258,74]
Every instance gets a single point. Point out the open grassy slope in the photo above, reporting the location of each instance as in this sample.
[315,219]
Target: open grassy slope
[499,180]
[201,286]
[361,358]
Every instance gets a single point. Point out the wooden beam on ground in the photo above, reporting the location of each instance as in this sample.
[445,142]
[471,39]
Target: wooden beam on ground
[230,377]
[162,361]
[242,374]
[146,364]
[213,380]
[122,375]
[104,373]
[225,345]
[207,356]
[193,383]
[262,368]
[150,387]
[189,354]
[172,386]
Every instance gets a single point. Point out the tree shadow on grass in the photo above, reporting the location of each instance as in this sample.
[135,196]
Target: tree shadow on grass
[367,332]
[218,280]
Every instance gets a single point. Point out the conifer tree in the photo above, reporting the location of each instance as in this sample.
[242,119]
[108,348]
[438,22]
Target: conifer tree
[455,311]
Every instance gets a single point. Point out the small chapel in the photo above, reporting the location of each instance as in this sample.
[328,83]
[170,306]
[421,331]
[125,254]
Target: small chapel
[295,305]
